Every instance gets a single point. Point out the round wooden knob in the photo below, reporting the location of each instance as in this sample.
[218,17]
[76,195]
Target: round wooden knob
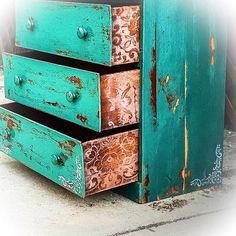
[7,133]
[30,24]
[18,80]
[71,96]
[58,160]
[82,33]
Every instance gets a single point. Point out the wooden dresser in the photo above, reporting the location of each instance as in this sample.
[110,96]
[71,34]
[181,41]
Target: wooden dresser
[117,94]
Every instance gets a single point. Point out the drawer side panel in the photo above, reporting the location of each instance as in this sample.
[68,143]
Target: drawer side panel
[126,34]
[111,162]
[120,99]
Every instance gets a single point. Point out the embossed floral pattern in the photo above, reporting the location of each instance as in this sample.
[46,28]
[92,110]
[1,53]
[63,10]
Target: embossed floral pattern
[111,162]
[126,34]
[120,99]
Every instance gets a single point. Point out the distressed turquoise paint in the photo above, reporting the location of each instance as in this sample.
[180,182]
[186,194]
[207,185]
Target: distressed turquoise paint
[55,26]
[182,104]
[35,146]
[45,86]
[205,103]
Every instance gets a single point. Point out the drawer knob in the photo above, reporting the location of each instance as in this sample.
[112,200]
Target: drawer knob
[58,160]
[71,97]
[30,24]
[7,134]
[82,33]
[18,80]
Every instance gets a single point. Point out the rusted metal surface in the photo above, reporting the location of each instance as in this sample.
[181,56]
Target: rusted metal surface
[111,162]
[120,99]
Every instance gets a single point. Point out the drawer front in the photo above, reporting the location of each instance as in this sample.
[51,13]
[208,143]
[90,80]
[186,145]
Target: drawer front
[59,28]
[48,87]
[95,33]
[52,154]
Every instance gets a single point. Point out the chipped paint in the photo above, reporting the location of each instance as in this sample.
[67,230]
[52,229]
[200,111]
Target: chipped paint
[184,173]
[213,48]
[77,81]
[170,98]
[146,181]
[54,104]
[67,146]
[10,124]
[64,53]
[30,81]
[172,191]
[82,118]
[166,81]
[9,64]
[153,79]
[176,105]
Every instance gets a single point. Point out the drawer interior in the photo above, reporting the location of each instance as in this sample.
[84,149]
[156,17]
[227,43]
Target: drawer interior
[63,126]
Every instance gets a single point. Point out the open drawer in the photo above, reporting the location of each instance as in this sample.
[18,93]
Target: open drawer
[82,161]
[92,96]
[107,34]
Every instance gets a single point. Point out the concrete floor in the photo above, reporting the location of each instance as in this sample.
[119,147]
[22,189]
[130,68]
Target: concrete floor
[32,205]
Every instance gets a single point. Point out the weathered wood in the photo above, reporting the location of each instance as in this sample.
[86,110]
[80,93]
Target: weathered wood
[82,166]
[103,102]
[183,68]
[35,146]
[109,36]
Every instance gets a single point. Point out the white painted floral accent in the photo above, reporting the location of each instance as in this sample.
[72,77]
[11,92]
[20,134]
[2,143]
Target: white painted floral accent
[74,186]
[216,176]
[4,149]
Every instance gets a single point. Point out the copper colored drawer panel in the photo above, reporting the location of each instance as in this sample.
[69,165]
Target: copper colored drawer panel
[120,99]
[111,162]
[126,35]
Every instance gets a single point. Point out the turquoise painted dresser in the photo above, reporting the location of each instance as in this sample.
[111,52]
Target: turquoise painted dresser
[125,95]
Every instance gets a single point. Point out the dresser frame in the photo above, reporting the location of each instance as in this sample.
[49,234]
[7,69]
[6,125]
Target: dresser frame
[182,99]
[183,67]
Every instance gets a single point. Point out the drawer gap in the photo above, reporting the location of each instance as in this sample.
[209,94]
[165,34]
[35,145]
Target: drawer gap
[63,126]
[113,3]
[77,64]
